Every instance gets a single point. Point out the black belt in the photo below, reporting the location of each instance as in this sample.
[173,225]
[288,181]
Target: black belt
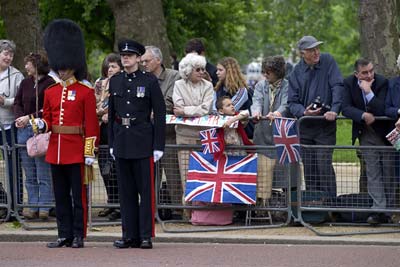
[129,121]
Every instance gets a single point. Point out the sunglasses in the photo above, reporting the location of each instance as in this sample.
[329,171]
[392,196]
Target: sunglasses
[199,69]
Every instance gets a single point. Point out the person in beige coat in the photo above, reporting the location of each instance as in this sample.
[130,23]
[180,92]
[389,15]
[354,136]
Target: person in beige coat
[192,97]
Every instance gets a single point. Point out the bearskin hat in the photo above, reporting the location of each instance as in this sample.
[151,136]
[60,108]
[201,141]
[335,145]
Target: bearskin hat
[65,47]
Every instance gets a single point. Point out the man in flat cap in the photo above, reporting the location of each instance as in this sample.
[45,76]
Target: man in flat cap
[136,115]
[315,89]
[69,112]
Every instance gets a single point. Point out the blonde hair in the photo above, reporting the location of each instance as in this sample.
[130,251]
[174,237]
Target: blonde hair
[234,79]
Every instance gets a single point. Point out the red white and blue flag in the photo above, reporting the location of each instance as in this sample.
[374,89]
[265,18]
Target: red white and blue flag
[230,179]
[209,141]
[286,140]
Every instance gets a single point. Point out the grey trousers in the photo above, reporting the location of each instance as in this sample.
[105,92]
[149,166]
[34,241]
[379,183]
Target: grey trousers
[380,170]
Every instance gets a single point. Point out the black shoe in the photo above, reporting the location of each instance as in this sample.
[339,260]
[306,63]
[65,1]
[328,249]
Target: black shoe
[61,242]
[105,212]
[146,243]
[375,219]
[126,243]
[115,215]
[77,242]
[3,213]
[52,212]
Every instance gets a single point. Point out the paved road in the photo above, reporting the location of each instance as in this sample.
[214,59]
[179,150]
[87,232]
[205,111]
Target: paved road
[179,254]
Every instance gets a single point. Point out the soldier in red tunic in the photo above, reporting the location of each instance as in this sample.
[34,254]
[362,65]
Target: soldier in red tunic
[69,112]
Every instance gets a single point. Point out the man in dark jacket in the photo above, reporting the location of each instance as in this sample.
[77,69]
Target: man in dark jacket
[363,100]
[316,78]
[136,139]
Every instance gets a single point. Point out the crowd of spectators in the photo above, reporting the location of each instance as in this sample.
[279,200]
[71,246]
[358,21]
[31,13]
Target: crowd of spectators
[314,89]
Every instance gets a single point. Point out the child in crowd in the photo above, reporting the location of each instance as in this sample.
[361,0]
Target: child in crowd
[227,136]
[232,136]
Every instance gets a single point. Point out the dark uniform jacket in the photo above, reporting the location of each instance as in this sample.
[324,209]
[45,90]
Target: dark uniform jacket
[134,97]
[354,105]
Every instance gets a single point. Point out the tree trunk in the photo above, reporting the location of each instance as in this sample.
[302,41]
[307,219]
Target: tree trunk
[379,35]
[143,21]
[22,25]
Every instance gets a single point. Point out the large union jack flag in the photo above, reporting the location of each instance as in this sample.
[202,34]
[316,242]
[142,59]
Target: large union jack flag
[209,141]
[286,140]
[230,179]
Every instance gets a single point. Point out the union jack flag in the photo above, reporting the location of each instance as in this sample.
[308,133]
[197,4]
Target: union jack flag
[286,140]
[230,179]
[209,141]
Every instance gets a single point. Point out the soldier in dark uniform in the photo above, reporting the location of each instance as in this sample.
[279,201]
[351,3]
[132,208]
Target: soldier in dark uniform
[69,112]
[136,117]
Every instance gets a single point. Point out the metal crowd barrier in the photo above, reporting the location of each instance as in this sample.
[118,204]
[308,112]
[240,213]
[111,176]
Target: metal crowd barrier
[346,199]
[103,191]
[22,164]
[270,211]
[97,194]
[301,199]
[5,195]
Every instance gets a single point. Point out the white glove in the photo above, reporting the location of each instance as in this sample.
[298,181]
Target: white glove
[89,161]
[38,122]
[111,153]
[157,154]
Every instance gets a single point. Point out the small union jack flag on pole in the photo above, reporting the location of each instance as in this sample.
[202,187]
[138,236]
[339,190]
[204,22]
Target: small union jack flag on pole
[209,141]
[286,140]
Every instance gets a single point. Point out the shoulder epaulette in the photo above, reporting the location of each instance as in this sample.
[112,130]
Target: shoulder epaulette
[82,83]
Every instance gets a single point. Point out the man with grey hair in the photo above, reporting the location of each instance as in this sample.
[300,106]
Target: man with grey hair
[152,61]
[10,79]
[315,89]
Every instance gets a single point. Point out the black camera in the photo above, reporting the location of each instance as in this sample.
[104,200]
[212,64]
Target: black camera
[317,103]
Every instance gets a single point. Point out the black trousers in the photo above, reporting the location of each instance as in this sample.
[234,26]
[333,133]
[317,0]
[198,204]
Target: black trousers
[319,174]
[71,212]
[136,194]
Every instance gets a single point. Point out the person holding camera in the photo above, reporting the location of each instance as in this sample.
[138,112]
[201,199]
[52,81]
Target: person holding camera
[315,89]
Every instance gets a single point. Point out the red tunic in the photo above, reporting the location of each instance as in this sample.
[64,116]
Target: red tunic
[70,103]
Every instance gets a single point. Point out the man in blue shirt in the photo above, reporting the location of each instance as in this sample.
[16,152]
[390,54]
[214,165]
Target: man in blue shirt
[315,89]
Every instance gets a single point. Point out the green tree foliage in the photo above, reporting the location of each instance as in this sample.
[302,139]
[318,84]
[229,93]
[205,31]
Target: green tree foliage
[222,24]
[284,22]
[94,17]
[245,29]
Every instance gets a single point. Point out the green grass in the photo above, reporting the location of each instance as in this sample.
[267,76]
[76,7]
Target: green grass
[343,138]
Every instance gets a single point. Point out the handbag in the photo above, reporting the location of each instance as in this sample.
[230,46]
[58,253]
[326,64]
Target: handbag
[106,170]
[37,145]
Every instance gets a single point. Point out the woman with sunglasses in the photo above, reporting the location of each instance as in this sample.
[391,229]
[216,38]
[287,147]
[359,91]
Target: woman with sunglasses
[192,97]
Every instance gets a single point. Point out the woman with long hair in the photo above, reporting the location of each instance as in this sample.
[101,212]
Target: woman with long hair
[232,83]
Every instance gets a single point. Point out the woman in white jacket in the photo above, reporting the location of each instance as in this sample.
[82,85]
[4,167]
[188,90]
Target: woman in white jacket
[10,79]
